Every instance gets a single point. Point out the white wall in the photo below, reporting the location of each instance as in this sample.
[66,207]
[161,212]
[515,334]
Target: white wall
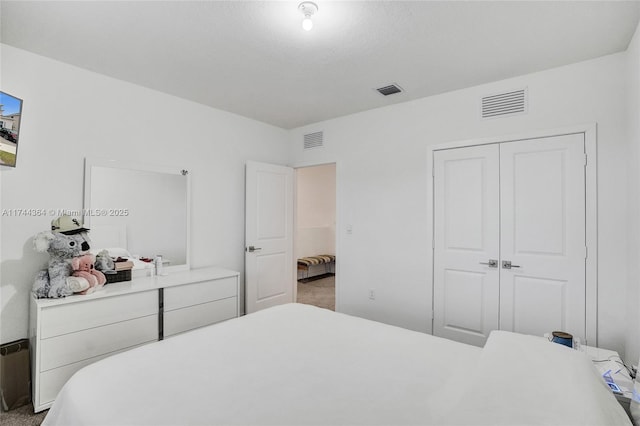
[109,118]
[382,185]
[633,159]
[315,210]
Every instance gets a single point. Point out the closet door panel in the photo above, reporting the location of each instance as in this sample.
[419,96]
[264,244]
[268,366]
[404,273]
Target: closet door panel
[466,200]
[539,304]
[542,197]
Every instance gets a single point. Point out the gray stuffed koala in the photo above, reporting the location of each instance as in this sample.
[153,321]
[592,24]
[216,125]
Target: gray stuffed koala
[104,263]
[52,282]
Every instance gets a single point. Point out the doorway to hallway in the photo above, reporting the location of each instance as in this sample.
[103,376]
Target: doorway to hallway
[315,235]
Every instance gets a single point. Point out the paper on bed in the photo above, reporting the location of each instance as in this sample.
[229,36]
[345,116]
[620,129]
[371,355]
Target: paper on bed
[528,380]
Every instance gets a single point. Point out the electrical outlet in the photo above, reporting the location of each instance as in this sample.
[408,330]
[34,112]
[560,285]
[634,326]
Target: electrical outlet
[372,294]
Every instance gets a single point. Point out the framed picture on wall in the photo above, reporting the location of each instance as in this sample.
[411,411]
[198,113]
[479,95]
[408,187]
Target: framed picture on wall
[10,115]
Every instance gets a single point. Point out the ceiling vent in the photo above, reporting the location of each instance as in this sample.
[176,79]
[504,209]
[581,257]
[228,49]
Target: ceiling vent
[313,140]
[508,103]
[390,89]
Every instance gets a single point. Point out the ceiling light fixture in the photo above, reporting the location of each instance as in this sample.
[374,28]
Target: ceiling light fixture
[307,8]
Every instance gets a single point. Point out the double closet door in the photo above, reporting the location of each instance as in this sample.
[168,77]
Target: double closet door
[509,238]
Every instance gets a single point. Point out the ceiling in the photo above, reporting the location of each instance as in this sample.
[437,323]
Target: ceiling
[254,59]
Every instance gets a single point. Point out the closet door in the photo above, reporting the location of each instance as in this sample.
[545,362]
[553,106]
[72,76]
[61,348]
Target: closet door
[466,237]
[542,197]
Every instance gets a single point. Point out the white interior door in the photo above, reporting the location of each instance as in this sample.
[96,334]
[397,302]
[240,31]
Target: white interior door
[268,236]
[466,238]
[542,184]
[521,203]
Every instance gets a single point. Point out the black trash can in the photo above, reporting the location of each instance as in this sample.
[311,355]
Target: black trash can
[15,374]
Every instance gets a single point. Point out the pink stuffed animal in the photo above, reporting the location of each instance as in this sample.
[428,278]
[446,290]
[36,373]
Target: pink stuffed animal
[83,268]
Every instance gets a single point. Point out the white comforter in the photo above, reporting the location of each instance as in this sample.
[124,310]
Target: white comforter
[296,364]
[528,380]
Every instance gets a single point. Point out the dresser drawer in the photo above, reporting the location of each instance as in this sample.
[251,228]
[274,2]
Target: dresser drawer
[67,318]
[185,319]
[202,292]
[73,347]
[52,381]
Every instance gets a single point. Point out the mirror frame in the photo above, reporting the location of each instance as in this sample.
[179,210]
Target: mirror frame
[89,163]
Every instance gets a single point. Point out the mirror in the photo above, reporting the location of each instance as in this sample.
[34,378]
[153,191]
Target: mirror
[141,208]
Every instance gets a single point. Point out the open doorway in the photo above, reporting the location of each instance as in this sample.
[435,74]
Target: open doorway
[315,235]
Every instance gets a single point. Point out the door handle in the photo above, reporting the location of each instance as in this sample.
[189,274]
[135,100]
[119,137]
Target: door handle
[492,263]
[251,249]
[506,264]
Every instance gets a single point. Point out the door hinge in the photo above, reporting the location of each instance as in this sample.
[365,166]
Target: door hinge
[433,243]
[585,160]
[586,252]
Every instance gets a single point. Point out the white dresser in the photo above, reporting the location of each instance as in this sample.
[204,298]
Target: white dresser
[68,334]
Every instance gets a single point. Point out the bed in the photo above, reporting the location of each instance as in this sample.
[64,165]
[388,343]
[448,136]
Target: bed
[296,364]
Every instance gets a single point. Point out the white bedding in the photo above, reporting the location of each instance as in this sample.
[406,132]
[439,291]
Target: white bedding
[296,364]
[528,380]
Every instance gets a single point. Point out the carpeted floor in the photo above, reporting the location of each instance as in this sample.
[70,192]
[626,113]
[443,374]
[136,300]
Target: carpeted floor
[22,416]
[320,293]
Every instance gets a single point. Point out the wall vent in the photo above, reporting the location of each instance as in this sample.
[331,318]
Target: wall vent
[508,103]
[313,140]
[390,89]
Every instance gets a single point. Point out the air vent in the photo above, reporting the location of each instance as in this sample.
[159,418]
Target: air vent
[507,103]
[390,89]
[313,140]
